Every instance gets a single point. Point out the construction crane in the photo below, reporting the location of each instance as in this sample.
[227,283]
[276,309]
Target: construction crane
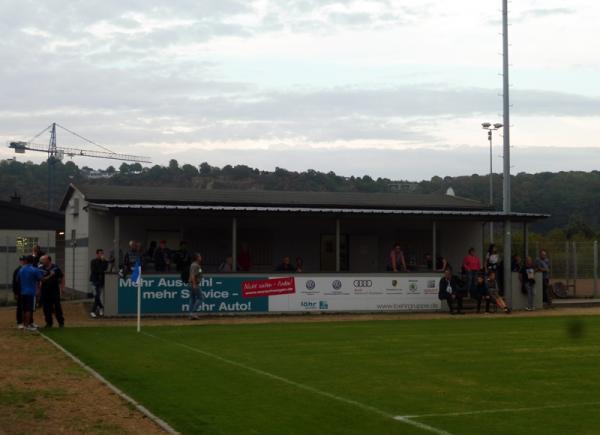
[57,153]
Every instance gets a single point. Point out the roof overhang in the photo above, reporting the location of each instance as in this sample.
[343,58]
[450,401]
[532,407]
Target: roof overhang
[479,214]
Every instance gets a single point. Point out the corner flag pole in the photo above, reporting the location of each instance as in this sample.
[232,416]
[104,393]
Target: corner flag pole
[139,304]
[136,277]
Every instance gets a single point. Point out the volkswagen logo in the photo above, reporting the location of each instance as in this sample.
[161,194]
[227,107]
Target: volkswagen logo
[337,284]
[363,283]
[310,284]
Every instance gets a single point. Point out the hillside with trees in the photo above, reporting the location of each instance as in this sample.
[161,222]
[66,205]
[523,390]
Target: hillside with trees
[571,198]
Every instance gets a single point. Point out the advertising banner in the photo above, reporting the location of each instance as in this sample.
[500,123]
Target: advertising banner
[268,287]
[167,294]
[360,293]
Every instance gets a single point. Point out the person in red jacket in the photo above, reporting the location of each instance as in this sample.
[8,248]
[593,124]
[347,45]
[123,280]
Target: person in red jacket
[471,265]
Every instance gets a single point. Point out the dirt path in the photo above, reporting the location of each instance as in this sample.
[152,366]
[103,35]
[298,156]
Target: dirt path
[43,391]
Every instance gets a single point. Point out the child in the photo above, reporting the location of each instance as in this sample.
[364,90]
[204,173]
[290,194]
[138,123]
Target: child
[494,293]
[482,293]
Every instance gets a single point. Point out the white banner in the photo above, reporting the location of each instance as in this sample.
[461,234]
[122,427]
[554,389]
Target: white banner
[360,293]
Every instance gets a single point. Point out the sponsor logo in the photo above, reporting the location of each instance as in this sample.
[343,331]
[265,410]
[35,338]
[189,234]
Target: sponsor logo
[431,283]
[308,304]
[310,284]
[323,305]
[394,282]
[413,287]
[363,283]
[337,284]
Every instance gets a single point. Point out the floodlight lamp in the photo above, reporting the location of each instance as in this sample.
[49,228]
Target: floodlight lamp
[498,125]
[486,125]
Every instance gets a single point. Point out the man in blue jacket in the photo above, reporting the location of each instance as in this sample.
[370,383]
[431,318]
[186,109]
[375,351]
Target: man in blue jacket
[29,277]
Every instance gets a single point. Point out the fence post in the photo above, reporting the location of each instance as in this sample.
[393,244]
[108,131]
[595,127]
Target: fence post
[567,268]
[595,269]
[574,269]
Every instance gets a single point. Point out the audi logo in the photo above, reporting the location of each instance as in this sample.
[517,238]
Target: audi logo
[363,283]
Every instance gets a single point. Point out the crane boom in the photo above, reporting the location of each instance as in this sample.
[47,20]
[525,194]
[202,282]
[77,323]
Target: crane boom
[21,147]
[56,153]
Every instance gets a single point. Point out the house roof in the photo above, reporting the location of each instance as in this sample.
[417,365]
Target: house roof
[135,195]
[14,216]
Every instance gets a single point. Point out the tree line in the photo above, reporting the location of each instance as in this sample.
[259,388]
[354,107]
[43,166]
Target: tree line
[571,198]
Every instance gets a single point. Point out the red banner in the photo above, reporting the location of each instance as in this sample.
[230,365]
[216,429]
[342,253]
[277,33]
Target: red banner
[268,287]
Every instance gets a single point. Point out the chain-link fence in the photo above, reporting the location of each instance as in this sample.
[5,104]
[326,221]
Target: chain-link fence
[574,266]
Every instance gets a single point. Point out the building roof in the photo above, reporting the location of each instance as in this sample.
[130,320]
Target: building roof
[14,216]
[135,195]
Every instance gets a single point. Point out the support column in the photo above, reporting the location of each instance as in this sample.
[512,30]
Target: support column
[117,243]
[434,245]
[337,245]
[526,239]
[234,242]
[508,290]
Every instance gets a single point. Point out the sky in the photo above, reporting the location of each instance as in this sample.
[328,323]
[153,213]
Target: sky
[387,88]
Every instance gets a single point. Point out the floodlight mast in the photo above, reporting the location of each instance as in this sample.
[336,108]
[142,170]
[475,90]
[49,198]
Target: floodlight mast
[508,290]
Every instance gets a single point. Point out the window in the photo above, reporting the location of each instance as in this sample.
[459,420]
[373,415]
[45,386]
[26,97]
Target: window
[25,244]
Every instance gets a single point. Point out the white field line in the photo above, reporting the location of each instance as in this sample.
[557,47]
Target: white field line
[305,387]
[498,411]
[161,423]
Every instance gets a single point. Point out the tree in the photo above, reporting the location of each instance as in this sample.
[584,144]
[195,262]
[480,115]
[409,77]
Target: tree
[173,165]
[124,168]
[110,170]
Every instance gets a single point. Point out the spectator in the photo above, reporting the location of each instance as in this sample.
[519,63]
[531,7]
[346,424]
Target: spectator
[149,254]
[16,287]
[37,255]
[286,265]
[243,258]
[491,259]
[98,267]
[516,263]
[441,263]
[112,259]
[542,264]
[131,258]
[396,261]
[482,293]
[451,291]
[162,257]
[471,266]
[52,286]
[299,265]
[527,277]
[183,260]
[227,265]
[29,278]
[495,293]
[196,287]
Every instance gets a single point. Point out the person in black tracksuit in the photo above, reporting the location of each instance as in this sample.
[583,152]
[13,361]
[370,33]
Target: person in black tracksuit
[52,286]
[16,287]
[451,290]
[98,268]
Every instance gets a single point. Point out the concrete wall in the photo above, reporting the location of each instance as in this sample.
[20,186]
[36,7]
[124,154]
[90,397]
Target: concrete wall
[455,238]
[76,245]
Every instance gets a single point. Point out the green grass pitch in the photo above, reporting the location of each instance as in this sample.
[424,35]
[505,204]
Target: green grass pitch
[455,376]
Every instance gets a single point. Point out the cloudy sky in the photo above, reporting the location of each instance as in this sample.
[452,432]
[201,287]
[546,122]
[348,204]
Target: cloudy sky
[394,88]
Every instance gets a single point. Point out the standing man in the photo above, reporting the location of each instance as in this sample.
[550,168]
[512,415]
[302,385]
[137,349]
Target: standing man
[183,261]
[37,255]
[195,284]
[542,263]
[16,287]
[29,278]
[98,268]
[53,285]
[162,257]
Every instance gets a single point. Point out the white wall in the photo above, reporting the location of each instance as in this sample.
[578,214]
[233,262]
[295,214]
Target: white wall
[76,250]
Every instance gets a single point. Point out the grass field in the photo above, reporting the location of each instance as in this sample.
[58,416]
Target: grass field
[457,375]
